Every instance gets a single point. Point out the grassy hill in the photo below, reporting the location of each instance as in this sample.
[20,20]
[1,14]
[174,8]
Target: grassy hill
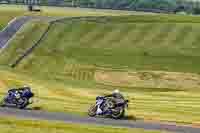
[134,43]
[152,58]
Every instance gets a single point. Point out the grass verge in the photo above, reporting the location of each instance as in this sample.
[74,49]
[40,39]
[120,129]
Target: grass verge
[14,125]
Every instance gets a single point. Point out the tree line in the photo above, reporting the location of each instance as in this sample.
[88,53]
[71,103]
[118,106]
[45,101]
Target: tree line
[172,6]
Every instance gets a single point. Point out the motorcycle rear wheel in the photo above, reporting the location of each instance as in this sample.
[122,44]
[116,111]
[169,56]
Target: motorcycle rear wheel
[92,111]
[2,103]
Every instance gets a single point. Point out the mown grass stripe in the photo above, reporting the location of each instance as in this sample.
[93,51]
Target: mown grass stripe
[171,36]
[107,39]
[183,33]
[153,32]
[98,39]
[124,30]
[144,31]
[59,36]
[164,33]
[94,30]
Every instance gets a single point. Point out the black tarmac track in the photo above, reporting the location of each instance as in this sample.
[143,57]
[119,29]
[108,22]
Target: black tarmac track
[71,118]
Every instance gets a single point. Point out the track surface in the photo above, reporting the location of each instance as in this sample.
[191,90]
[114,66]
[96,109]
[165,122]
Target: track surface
[101,121]
[14,25]
[10,30]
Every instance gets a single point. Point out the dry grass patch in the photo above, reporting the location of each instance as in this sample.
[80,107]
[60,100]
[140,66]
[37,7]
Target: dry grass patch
[151,79]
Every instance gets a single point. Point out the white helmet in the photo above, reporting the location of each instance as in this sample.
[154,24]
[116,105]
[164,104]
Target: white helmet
[116,91]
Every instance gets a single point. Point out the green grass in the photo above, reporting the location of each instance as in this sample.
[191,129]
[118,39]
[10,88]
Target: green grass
[33,28]
[11,124]
[76,96]
[132,45]
[8,12]
[62,69]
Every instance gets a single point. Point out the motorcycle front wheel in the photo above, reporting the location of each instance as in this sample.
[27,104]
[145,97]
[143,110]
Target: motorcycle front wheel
[92,111]
[118,113]
[22,103]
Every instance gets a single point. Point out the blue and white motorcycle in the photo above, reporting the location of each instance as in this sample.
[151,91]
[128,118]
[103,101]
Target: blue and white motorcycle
[20,100]
[109,107]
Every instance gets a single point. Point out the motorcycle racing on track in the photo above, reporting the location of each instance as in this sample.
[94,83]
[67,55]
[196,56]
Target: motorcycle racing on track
[112,106]
[18,97]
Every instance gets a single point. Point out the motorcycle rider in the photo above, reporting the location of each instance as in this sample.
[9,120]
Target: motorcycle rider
[16,92]
[118,97]
[13,92]
[24,88]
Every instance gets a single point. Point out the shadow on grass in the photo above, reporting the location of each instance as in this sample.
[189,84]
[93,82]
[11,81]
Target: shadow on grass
[130,118]
[33,108]
[37,108]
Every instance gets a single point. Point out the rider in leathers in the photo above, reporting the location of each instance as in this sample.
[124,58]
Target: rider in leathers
[117,97]
[15,92]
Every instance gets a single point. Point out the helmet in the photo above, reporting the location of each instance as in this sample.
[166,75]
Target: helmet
[13,88]
[26,87]
[116,91]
